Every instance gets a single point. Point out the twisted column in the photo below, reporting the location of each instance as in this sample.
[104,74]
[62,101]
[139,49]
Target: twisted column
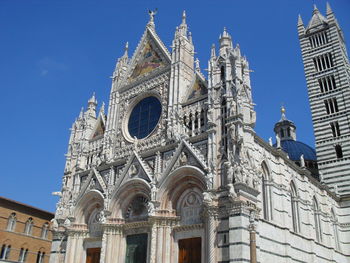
[211,233]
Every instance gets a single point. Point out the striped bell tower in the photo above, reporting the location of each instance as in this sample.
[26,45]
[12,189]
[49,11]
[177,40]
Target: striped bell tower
[327,73]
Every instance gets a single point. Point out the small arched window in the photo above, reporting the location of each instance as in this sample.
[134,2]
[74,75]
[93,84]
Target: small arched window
[317,221]
[12,222]
[294,208]
[29,226]
[23,255]
[5,251]
[45,231]
[40,257]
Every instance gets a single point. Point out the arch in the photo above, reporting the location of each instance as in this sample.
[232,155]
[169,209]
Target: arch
[23,253]
[45,230]
[40,256]
[11,223]
[177,182]
[123,196]
[294,207]
[317,221]
[189,206]
[29,226]
[5,250]
[86,205]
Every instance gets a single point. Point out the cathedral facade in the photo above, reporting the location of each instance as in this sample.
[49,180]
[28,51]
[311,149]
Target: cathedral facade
[176,173]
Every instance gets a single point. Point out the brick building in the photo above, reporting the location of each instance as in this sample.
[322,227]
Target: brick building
[24,233]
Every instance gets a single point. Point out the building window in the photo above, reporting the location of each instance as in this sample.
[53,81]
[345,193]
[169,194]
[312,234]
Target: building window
[5,251]
[323,62]
[339,151]
[335,129]
[45,231]
[29,226]
[40,257]
[11,222]
[294,208]
[317,221]
[318,40]
[144,117]
[331,105]
[327,84]
[266,194]
[23,255]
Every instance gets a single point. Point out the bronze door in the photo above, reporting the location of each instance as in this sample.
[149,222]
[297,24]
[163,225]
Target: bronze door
[93,255]
[136,248]
[190,250]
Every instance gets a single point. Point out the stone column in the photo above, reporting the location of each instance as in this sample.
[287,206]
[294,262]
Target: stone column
[153,243]
[58,241]
[113,243]
[211,215]
[252,234]
[252,237]
[71,244]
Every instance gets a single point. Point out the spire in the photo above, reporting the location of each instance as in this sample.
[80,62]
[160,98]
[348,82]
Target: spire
[183,26]
[126,49]
[330,14]
[197,65]
[212,53]
[315,9]
[329,9]
[225,41]
[92,100]
[81,114]
[300,21]
[102,109]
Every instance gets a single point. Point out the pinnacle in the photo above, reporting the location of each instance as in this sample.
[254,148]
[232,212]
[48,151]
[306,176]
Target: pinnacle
[184,17]
[300,20]
[329,9]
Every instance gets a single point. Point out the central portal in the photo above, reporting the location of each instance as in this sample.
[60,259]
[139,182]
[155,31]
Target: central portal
[190,250]
[93,255]
[136,249]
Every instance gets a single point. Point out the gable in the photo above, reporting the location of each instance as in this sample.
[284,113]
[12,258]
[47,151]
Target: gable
[135,168]
[198,89]
[185,154]
[150,56]
[149,60]
[99,129]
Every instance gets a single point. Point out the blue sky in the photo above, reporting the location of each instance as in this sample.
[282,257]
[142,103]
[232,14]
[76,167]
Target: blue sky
[55,54]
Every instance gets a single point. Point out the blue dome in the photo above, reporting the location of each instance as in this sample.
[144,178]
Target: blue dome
[295,149]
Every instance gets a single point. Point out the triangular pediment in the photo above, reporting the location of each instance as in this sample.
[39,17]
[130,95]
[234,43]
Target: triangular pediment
[198,89]
[185,154]
[135,168]
[150,56]
[94,181]
[99,128]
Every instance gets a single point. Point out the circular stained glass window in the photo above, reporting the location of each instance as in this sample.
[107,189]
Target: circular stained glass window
[144,117]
